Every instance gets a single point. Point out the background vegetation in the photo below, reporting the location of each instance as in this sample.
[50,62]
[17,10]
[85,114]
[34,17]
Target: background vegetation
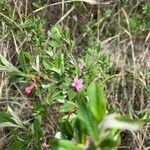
[46,45]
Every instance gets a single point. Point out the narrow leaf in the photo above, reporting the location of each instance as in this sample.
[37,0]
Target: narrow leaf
[97,101]
[65,145]
[85,115]
[120,122]
[67,107]
[15,117]
[8,124]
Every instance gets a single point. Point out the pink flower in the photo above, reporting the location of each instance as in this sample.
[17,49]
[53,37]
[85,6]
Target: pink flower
[81,65]
[29,89]
[45,146]
[77,84]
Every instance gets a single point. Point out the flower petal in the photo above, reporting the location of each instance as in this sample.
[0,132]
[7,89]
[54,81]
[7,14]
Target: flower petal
[28,90]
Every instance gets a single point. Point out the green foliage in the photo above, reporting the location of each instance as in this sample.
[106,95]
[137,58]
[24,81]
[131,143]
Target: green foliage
[139,21]
[65,145]
[67,106]
[50,58]
[92,121]
[85,119]
[145,116]
[88,120]
[97,102]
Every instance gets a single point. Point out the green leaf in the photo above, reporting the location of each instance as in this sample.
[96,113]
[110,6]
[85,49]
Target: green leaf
[7,66]
[15,78]
[47,65]
[145,116]
[54,44]
[6,121]
[97,101]
[37,131]
[8,124]
[58,71]
[18,145]
[85,115]
[28,56]
[71,94]
[15,118]
[59,62]
[80,131]
[65,145]
[109,144]
[66,129]
[120,122]
[4,117]
[51,67]
[56,33]
[22,61]
[67,106]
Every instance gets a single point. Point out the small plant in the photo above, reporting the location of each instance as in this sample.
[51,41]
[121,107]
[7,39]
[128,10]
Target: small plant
[85,121]
[24,137]
[88,124]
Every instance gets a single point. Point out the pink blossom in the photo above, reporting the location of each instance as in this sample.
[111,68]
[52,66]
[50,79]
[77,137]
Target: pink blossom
[45,146]
[81,65]
[77,84]
[29,89]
